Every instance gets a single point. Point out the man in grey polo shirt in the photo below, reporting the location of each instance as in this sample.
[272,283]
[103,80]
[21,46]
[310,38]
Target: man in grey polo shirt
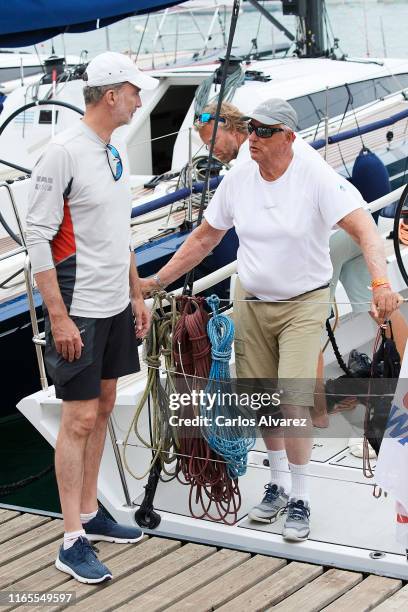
[78,237]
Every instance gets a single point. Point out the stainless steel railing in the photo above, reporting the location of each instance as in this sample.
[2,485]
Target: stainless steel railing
[38,338]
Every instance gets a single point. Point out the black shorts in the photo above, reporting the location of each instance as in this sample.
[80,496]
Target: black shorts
[109,351]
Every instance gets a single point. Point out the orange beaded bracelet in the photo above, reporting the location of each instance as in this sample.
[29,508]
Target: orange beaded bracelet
[380,282]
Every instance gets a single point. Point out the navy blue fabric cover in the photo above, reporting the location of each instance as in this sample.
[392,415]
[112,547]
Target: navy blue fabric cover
[26,22]
[371,178]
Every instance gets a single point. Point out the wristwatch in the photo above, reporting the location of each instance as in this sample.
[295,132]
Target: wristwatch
[158,281]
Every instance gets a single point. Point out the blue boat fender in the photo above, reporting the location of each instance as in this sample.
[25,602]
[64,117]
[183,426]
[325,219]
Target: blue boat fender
[370,177]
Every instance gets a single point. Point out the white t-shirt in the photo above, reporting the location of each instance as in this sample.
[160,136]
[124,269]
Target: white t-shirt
[284,225]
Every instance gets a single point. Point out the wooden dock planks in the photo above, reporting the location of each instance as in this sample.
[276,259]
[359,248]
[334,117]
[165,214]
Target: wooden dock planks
[366,595]
[160,574]
[30,540]
[230,585]
[276,587]
[7,515]
[187,581]
[399,602]
[133,585]
[320,592]
[26,522]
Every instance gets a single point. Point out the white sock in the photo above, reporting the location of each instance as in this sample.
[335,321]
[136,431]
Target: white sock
[85,518]
[300,483]
[71,537]
[278,464]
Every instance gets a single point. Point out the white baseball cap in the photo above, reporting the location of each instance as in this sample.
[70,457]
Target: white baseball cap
[273,111]
[110,67]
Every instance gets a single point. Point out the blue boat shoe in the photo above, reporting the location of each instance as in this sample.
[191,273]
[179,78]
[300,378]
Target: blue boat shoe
[81,562]
[104,528]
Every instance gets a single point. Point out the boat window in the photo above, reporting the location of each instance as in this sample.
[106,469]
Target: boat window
[311,109]
[389,84]
[46,116]
[13,73]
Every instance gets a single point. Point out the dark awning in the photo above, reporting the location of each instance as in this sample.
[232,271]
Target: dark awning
[27,22]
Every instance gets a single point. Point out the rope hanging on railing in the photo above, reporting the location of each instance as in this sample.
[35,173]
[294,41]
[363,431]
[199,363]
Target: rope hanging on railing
[158,346]
[178,345]
[200,466]
[230,440]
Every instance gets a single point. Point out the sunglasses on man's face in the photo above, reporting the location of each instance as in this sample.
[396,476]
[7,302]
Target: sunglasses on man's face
[115,162]
[263,131]
[207,117]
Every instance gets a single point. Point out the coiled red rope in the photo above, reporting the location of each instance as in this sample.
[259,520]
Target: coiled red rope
[200,467]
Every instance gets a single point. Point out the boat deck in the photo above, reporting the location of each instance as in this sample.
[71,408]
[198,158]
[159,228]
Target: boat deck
[166,574]
[344,153]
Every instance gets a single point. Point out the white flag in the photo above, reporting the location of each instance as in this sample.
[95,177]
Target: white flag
[391,472]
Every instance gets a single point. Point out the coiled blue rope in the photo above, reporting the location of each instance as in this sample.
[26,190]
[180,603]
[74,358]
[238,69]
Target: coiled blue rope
[231,441]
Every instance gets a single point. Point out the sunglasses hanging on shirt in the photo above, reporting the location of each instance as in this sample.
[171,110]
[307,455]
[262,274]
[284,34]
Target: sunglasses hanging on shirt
[263,131]
[115,162]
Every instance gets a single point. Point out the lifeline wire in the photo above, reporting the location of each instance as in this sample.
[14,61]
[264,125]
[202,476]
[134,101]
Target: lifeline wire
[195,377]
[262,467]
[293,301]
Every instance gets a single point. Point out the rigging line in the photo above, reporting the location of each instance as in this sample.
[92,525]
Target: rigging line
[345,110]
[326,29]
[317,128]
[343,160]
[189,279]
[260,467]
[39,59]
[317,110]
[259,27]
[136,144]
[395,77]
[142,37]
[354,113]
[3,284]
[163,370]
[370,105]
[293,301]
[331,28]
[336,321]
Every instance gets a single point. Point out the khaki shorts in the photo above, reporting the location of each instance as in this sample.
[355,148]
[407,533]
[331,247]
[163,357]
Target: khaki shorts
[280,341]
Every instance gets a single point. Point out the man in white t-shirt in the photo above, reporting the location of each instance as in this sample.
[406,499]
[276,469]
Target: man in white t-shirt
[349,266]
[283,206]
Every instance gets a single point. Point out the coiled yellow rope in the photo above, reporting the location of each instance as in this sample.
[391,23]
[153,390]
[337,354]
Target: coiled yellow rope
[164,442]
